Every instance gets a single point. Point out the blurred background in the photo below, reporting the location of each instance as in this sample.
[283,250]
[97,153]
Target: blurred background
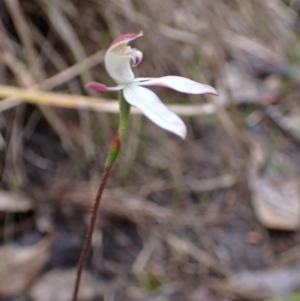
[213,217]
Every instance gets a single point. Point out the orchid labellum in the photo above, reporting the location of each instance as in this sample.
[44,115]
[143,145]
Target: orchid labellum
[119,59]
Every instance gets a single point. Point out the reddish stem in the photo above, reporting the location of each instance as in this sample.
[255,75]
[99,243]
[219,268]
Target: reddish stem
[112,156]
[88,240]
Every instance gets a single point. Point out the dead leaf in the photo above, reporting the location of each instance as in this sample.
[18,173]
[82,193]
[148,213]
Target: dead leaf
[19,266]
[58,285]
[274,188]
[261,285]
[14,202]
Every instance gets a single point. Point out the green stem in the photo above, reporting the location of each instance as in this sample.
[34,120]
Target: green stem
[116,143]
[111,158]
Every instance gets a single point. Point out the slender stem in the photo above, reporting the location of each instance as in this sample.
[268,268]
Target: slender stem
[111,158]
[87,244]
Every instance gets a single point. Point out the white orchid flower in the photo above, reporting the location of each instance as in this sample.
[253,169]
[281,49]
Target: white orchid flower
[117,62]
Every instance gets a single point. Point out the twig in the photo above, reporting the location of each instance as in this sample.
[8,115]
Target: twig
[277,118]
[201,256]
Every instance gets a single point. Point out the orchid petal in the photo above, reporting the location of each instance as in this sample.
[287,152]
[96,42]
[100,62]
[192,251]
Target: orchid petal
[154,109]
[102,88]
[124,39]
[137,58]
[142,79]
[178,83]
[133,54]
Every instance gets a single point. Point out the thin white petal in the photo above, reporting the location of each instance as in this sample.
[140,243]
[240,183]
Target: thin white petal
[154,109]
[102,88]
[178,83]
[141,79]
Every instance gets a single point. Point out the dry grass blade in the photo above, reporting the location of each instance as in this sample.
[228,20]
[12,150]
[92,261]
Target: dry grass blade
[188,183]
[15,150]
[166,31]
[203,257]
[87,102]
[63,28]
[73,71]
[144,256]
[54,81]
[26,36]
[15,65]
[26,79]
[278,119]
[252,47]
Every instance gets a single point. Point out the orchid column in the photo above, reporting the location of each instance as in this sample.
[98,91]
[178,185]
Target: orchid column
[132,92]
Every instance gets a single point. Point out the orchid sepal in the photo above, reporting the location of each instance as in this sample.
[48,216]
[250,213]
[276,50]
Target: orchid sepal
[124,39]
[154,109]
[178,83]
[102,88]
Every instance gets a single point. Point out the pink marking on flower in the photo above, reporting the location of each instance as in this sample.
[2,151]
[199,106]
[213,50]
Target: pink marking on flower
[102,88]
[137,60]
[124,39]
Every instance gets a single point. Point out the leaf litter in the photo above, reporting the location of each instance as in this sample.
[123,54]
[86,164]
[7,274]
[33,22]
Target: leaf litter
[208,202]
